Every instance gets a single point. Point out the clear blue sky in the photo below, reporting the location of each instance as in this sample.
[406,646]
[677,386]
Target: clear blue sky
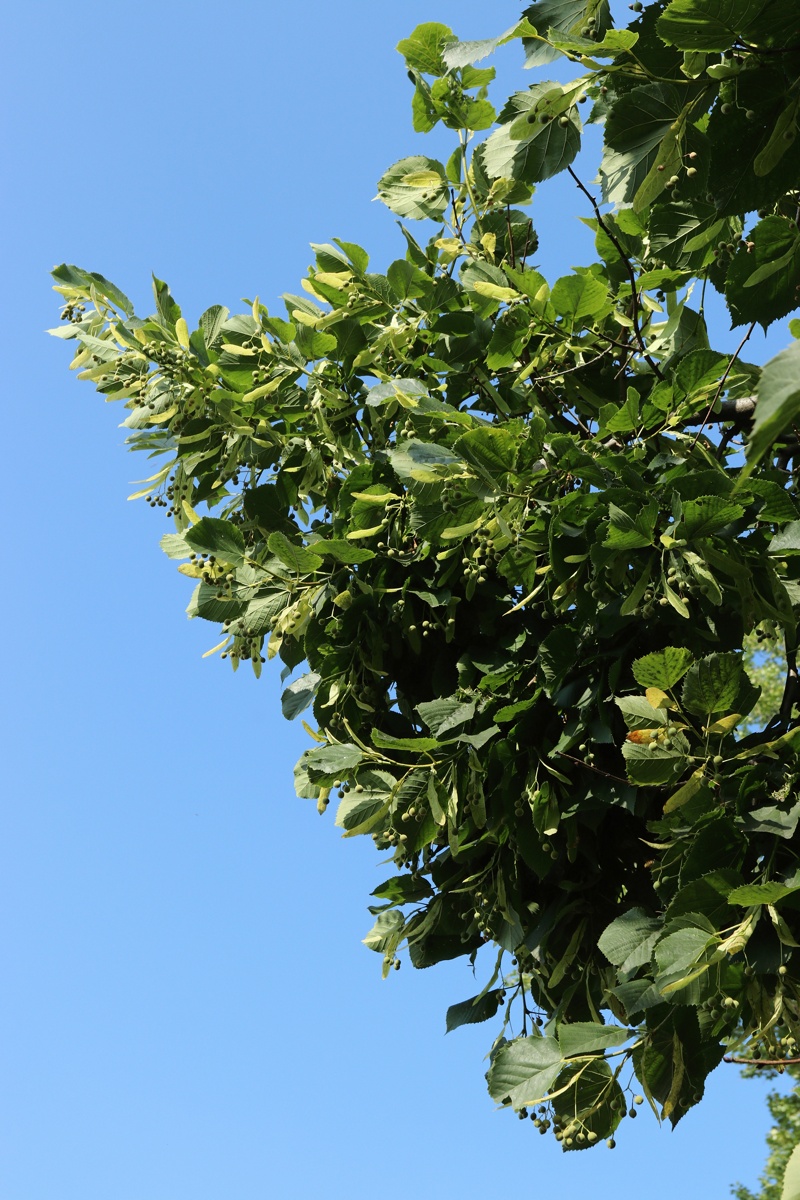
[187,1011]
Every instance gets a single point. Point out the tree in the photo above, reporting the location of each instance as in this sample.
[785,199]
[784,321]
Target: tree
[781,1141]
[508,531]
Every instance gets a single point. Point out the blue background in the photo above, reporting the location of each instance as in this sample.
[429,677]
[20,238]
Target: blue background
[187,1010]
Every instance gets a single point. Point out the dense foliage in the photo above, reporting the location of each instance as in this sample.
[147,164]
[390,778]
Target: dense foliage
[506,529]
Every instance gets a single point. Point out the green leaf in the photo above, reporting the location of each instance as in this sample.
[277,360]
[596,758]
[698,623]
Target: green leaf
[637,125]
[341,551]
[613,44]
[213,536]
[211,323]
[472,1012]
[386,932]
[652,764]
[408,283]
[760,893]
[734,136]
[67,275]
[786,540]
[403,889]
[590,1099]
[712,684]
[626,532]
[259,614]
[585,1037]
[299,695]
[579,296]
[628,941]
[780,140]
[423,50]
[706,24]
[443,716]
[685,793]
[778,402]
[663,668]
[778,504]
[679,951]
[706,515]
[168,310]
[640,714]
[359,813]
[524,1070]
[762,283]
[560,17]
[331,761]
[415,187]
[296,558]
[422,462]
[682,234]
[419,745]
[175,545]
[492,451]
[464,54]
[773,819]
[544,150]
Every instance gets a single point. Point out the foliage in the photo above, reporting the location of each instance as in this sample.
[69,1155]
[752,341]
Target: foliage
[506,529]
[782,1139]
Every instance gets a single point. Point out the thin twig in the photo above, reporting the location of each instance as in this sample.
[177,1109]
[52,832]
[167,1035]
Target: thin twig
[722,383]
[590,767]
[631,273]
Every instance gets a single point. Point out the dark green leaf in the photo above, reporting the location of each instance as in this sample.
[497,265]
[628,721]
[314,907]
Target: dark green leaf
[663,668]
[778,401]
[472,1012]
[298,695]
[764,278]
[707,24]
[712,684]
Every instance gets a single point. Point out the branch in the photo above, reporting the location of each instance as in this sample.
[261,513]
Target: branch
[590,767]
[631,274]
[730,410]
[761,1062]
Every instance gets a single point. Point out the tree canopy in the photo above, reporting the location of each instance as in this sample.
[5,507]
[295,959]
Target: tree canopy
[516,535]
